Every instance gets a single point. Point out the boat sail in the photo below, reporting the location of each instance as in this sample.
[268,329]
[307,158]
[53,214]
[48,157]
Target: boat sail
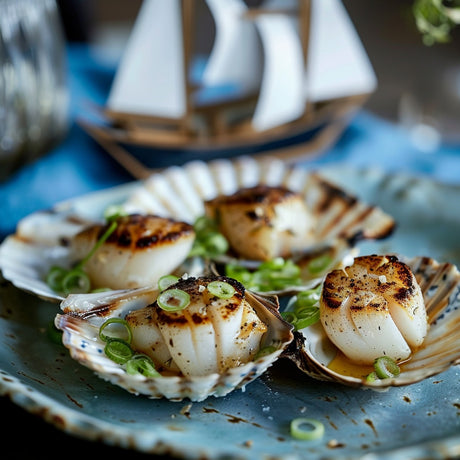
[279,58]
[151,76]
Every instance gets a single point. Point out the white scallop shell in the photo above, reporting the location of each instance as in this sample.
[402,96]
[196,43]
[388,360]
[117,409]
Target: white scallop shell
[41,239]
[341,220]
[312,351]
[85,313]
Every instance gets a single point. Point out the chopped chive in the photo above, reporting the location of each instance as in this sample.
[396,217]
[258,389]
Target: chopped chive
[307,429]
[221,289]
[173,300]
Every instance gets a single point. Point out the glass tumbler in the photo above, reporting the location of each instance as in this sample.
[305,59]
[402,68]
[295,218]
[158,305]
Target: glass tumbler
[34,96]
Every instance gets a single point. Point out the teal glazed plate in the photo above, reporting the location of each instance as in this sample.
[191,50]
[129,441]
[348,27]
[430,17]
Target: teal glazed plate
[421,420]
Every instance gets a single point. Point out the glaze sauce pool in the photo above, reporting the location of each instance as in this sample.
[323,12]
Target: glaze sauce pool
[345,366]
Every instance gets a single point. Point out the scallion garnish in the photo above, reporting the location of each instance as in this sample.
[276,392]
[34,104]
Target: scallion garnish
[264,351]
[372,377]
[319,264]
[75,280]
[173,300]
[273,275]
[118,348]
[303,310]
[209,242]
[118,351]
[113,212]
[307,429]
[221,289]
[141,364]
[386,367]
[55,276]
[118,328]
[167,280]
[111,228]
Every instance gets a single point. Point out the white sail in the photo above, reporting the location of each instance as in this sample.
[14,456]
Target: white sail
[151,79]
[338,65]
[236,54]
[281,95]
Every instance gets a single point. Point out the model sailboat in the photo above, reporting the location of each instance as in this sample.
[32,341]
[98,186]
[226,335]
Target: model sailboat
[274,70]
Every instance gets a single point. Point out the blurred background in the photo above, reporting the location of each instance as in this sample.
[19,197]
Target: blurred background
[417,84]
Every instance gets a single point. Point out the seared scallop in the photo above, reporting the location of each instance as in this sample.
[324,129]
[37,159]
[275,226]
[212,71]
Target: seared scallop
[263,222]
[217,329]
[374,308]
[141,249]
[207,336]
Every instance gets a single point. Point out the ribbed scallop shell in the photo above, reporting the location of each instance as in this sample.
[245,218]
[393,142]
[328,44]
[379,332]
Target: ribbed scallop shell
[83,314]
[341,220]
[180,192]
[312,351]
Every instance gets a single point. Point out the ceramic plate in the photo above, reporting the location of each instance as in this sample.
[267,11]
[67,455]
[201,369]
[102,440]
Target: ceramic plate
[420,420]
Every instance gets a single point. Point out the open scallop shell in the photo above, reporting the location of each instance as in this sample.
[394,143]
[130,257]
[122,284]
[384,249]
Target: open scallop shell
[341,219]
[41,239]
[83,314]
[312,351]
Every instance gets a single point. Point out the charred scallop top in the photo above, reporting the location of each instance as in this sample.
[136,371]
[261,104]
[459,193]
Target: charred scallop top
[200,300]
[261,193]
[382,276]
[262,196]
[137,231]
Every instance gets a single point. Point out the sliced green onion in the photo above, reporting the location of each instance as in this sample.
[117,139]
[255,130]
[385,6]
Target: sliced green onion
[143,365]
[372,377]
[307,429]
[54,278]
[209,242]
[289,316]
[264,351]
[215,243]
[309,297]
[110,229]
[319,264]
[303,309]
[306,317]
[118,351]
[75,281]
[173,300]
[204,224]
[119,328]
[272,275]
[167,280]
[385,367]
[113,212]
[221,289]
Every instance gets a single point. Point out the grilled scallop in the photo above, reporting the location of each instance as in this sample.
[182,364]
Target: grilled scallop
[210,335]
[263,222]
[140,250]
[221,341]
[373,308]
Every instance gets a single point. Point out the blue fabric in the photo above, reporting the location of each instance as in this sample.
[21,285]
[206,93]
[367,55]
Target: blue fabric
[78,165]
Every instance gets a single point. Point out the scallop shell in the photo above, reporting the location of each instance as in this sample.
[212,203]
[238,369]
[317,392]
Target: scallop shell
[341,219]
[312,351]
[84,314]
[40,240]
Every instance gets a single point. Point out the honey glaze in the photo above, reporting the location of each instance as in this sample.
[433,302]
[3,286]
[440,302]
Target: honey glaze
[345,366]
